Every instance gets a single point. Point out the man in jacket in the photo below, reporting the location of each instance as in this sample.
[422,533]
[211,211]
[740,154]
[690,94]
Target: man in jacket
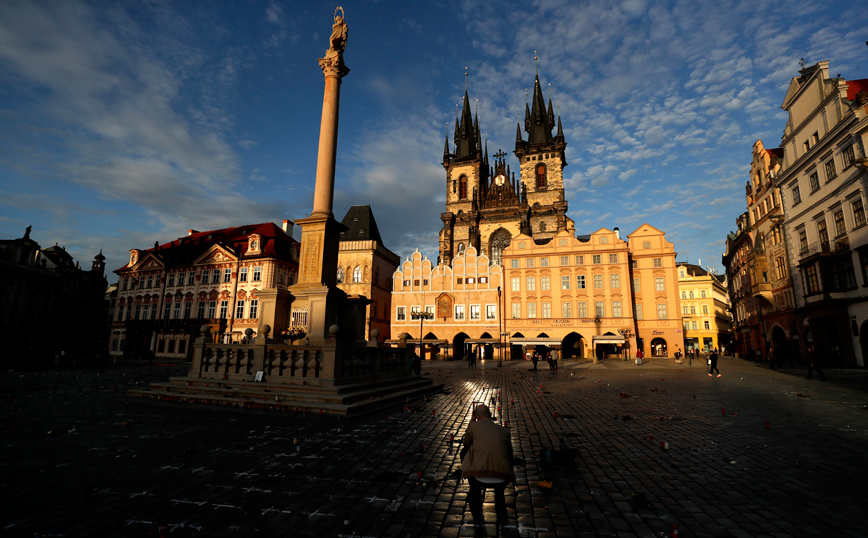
[487,463]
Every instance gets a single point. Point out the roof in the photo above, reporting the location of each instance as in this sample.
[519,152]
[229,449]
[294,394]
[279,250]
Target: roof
[856,86]
[184,250]
[692,269]
[361,225]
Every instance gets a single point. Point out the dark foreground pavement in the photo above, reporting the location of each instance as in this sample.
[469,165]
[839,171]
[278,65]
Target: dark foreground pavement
[79,459]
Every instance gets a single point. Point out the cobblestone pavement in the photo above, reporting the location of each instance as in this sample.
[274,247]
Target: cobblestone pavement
[753,453]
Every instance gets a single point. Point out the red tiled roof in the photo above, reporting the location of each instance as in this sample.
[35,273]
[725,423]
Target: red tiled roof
[856,86]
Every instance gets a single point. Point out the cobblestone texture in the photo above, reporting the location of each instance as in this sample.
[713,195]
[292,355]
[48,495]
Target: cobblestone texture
[79,459]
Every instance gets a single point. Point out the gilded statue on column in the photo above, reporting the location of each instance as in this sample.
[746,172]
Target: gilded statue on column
[333,63]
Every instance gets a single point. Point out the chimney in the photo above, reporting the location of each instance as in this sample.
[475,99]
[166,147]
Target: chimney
[191,232]
[617,233]
[700,262]
[287,227]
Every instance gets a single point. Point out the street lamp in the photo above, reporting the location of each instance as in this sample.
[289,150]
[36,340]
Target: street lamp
[421,316]
[500,330]
[626,333]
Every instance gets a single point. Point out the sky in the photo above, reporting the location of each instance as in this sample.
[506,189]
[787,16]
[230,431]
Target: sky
[123,123]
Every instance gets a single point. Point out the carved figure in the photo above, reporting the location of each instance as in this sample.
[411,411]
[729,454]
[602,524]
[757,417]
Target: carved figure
[338,39]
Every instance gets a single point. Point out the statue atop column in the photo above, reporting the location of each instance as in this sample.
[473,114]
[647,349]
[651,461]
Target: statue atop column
[333,63]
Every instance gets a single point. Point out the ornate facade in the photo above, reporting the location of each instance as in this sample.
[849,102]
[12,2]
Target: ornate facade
[704,309]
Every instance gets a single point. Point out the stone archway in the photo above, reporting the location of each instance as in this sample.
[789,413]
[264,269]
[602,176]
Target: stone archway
[458,346]
[573,346]
[498,241]
[779,341]
[658,348]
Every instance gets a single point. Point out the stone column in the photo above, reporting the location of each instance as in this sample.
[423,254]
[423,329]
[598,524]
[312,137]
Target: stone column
[334,70]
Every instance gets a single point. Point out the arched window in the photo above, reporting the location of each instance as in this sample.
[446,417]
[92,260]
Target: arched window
[499,241]
[365,274]
[683,294]
[691,294]
[357,274]
[340,274]
[702,294]
[540,176]
[462,188]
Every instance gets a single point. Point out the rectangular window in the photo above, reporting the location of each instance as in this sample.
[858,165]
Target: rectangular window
[693,309]
[171,346]
[707,325]
[580,282]
[822,234]
[858,214]
[531,283]
[580,260]
[686,326]
[693,325]
[566,310]
[187,306]
[780,269]
[831,172]
[242,274]
[685,310]
[702,293]
[600,309]
[613,258]
[531,310]
[239,310]
[206,274]
[659,284]
[227,275]
[582,309]
[803,241]
[150,280]
[200,310]
[543,262]
[215,278]
[515,283]
[224,307]
[545,283]
[658,262]
[182,276]
[616,309]
[529,262]
[474,312]
[490,311]
[212,309]
[705,309]
[401,313]
[254,308]
[565,260]
[513,263]
[161,346]
[814,180]
[516,310]
[459,312]
[546,310]
[182,346]
[637,308]
[170,281]
[598,282]
[811,279]
[797,198]
[637,286]
[839,223]
[849,156]
[191,280]
[257,274]
[146,309]
[597,259]
[565,282]
[615,280]
[167,310]
[661,311]
[124,284]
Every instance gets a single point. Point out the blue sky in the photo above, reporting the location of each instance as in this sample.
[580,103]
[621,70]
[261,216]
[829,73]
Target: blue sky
[124,123]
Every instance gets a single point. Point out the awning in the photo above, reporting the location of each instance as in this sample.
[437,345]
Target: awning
[608,339]
[416,341]
[534,341]
[480,341]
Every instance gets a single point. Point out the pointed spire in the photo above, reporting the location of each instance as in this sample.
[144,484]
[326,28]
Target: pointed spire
[551,112]
[518,138]
[486,153]
[560,127]
[466,140]
[540,128]
[446,148]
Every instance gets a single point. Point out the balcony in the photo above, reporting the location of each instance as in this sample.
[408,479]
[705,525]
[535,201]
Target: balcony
[762,292]
[817,248]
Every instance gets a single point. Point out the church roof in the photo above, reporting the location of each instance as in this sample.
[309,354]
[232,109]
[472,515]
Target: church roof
[361,225]
[856,86]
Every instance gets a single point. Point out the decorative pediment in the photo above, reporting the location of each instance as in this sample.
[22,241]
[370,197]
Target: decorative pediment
[254,244]
[216,254]
[144,261]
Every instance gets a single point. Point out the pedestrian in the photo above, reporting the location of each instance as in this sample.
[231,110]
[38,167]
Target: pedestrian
[639,355]
[487,462]
[535,359]
[770,355]
[413,359]
[555,356]
[549,360]
[471,359]
[814,363]
[690,357]
[712,360]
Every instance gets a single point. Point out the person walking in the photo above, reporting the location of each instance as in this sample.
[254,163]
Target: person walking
[555,356]
[471,359]
[690,357]
[535,359]
[487,462]
[639,355]
[549,360]
[771,356]
[814,363]
[712,360]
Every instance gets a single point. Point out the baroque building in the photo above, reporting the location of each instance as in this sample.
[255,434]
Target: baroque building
[743,307]
[704,309]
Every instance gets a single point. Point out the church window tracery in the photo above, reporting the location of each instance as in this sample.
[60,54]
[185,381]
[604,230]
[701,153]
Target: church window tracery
[499,241]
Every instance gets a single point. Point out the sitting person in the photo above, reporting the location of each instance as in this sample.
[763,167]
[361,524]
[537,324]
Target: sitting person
[487,463]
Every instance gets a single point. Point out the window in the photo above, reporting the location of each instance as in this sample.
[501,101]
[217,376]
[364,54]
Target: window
[565,260]
[470,280]
[616,309]
[401,313]
[690,294]
[615,280]
[177,311]
[531,283]
[613,258]
[707,325]
[181,277]
[814,180]
[124,284]
[459,312]
[540,176]
[693,325]
[797,198]
[171,346]
[863,264]
[216,277]
[515,283]
[182,346]
[544,283]
[239,309]
[257,274]
[566,310]
[141,281]
[531,310]
[683,294]
[702,294]
[357,274]
[597,259]
[659,284]
[206,274]
[638,310]
[686,326]
[580,282]
[543,262]
[490,311]
[599,309]
[685,310]
[831,173]
[658,262]
[145,311]
[822,234]
[598,282]
[839,223]
[212,309]
[462,189]
[858,213]
[187,306]
[546,310]
[803,241]
[340,275]
[200,310]
[580,260]
[191,280]
[150,280]
[565,282]
[516,310]
[637,286]
[529,262]
[811,279]
[513,263]
[474,312]
[167,309]
[661,311]
[705,309]
[780,268]
[254,308]
[224,307]
[582,309]
[693,309]
[170,281]
[242,275]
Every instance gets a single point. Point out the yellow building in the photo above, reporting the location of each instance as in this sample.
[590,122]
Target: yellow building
[704,309]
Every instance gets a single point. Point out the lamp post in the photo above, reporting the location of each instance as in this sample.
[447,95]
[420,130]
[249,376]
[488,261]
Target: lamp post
[500,330]
[626,333]
[421,316]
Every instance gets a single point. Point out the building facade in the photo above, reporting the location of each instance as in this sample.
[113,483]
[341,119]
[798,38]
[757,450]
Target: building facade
[704,309]
[216,278]
[743,308]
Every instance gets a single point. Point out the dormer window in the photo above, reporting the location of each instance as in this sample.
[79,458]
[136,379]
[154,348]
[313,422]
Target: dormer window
[254,244]
[134,257]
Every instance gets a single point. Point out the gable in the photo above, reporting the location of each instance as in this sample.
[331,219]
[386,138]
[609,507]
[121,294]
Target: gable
[215,254]
[148,262]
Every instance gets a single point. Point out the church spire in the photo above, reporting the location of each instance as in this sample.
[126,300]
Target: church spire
[465,137]
[539,129]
